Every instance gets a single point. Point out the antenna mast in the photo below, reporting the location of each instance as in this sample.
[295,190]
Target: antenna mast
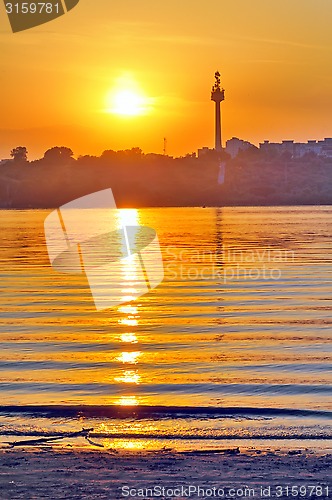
[217,95]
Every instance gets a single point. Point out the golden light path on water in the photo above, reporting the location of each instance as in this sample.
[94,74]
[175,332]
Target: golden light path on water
[129,217]
[131,316]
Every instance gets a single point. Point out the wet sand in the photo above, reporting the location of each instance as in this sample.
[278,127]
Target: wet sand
[48,473]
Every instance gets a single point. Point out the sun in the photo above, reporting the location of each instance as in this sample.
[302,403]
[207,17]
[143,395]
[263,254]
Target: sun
[127,99]
[127,103]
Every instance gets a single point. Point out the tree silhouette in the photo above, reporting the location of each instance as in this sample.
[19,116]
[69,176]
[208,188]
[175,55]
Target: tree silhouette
[19,154]
[58,155]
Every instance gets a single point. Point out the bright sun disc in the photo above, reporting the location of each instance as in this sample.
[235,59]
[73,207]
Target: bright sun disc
[128,103]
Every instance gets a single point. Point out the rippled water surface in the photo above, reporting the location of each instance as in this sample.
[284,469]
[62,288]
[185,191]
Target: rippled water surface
[242,319]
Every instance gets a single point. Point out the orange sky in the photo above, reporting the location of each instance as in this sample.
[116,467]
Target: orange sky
[274,58]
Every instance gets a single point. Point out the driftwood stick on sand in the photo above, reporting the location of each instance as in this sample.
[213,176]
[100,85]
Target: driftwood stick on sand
[93,442]
[32,442]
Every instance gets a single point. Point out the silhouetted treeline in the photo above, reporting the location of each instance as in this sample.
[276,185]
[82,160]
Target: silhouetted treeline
[139,179]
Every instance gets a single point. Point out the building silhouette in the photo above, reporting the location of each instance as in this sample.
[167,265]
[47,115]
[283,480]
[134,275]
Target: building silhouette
[298,149]
[235,145]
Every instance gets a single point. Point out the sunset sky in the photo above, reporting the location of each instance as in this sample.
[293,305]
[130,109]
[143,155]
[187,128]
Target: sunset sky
[67,82]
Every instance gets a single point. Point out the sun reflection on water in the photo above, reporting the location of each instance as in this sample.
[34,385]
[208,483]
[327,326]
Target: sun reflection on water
[128,321]
[129,317]
[129,357]
[126,444]
[128,309]
[131,445]
[128,298]
[129,338]
[127,401]
[129,377]
[128,217]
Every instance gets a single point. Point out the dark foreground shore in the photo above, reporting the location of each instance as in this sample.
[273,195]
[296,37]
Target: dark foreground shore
[54,474]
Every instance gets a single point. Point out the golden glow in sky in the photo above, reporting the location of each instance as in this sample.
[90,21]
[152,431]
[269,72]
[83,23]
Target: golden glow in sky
[117,75]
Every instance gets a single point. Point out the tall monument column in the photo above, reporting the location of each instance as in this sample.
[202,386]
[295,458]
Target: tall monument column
[218,95]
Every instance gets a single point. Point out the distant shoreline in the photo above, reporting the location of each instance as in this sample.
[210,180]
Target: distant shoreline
[185,206]
[141,181]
